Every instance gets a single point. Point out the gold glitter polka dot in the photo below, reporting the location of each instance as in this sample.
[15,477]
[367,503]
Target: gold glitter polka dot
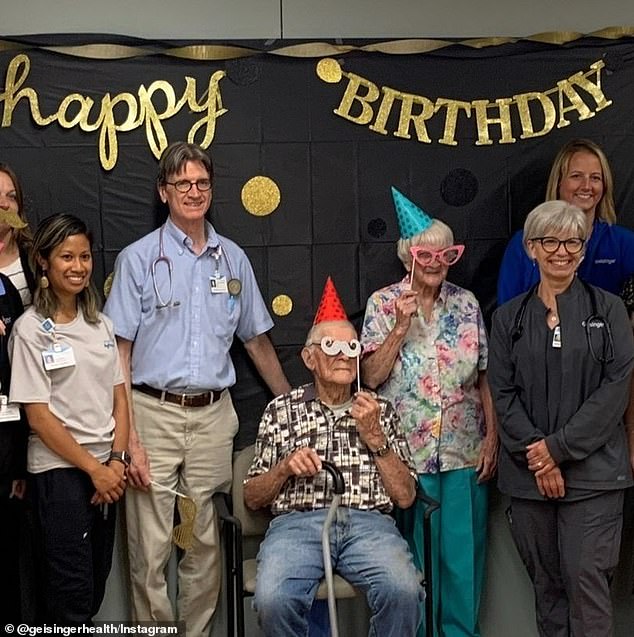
[282,305]
[329,70]
[107,284]
[260,196]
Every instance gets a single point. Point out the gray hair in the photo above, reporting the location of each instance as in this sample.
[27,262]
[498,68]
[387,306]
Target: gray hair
[554,217]
[316,332]
[176,155]
[439,235]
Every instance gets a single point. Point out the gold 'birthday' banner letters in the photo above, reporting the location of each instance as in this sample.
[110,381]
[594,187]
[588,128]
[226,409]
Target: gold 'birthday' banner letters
[364,103]
[133,111]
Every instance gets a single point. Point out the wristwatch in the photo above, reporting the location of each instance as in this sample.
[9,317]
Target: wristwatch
[382,451]
[120,456]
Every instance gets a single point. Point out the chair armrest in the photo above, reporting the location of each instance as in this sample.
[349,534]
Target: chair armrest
[431,504]
[222,503]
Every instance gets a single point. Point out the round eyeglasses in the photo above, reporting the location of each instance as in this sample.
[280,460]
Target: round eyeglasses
[551,244]
[333,347]
[446,256]
[184,185]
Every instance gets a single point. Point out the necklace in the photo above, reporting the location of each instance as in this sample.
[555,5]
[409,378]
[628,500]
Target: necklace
[552,317]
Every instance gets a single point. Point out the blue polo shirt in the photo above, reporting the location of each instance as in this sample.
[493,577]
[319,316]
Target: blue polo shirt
[184,348]
[608,262]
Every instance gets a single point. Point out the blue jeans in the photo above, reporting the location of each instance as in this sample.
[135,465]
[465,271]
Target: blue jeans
[366,549]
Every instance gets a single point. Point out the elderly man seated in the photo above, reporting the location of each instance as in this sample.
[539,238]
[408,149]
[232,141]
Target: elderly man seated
[360,434]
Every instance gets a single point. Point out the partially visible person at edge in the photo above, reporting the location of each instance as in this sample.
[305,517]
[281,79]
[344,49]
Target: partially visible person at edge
[15,236]
[627,294]
[16,287]
[66,373]
[13,436]
[425,349]
[580,175]
[561,357]
[179,297]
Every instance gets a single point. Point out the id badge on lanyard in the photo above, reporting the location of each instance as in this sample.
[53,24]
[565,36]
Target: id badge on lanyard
[8,411]
[57,355]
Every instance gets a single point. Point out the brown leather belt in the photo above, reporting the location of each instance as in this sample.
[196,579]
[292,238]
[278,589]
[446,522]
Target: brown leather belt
[184,400]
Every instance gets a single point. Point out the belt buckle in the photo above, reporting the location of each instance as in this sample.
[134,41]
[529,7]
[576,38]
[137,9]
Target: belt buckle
[184,401]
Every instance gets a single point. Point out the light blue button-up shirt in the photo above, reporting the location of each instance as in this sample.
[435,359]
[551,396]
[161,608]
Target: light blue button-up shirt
[184,348]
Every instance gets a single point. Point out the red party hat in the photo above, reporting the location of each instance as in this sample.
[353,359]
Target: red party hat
[330,307]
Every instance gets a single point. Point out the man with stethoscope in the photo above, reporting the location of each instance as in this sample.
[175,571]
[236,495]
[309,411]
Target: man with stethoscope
[179,296]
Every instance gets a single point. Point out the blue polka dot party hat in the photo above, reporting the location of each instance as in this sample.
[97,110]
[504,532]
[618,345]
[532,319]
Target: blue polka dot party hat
[412,220]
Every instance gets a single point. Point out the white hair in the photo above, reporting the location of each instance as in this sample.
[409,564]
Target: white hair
[439,235]
[316,332]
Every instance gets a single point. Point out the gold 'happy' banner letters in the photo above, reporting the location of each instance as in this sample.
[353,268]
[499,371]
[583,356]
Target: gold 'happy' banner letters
[77,110]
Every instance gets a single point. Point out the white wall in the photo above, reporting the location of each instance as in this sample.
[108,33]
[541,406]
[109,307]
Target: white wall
[262,19]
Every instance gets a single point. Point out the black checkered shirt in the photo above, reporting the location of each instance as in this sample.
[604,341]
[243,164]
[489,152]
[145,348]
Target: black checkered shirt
[299,419]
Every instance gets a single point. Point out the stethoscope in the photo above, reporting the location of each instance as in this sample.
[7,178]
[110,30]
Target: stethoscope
[234,286]
[594,322]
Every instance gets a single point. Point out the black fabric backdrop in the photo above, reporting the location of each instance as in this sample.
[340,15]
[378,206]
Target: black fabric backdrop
[336,215]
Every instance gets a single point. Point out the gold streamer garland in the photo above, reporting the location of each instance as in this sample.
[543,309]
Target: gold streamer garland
[102,51]
[207,52]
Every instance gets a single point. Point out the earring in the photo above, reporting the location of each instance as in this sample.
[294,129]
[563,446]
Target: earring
[44,281]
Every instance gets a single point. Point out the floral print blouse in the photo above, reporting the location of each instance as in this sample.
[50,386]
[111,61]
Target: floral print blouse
[434,382]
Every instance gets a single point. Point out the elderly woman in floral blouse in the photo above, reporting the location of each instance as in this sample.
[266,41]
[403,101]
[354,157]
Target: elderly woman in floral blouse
[425,349]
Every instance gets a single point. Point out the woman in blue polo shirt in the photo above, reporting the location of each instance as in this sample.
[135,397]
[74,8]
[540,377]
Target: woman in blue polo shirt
[581,176]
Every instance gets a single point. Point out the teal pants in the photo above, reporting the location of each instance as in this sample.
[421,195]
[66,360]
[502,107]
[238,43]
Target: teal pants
[458,548]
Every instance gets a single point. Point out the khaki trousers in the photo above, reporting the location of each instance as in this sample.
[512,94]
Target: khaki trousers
[190,451]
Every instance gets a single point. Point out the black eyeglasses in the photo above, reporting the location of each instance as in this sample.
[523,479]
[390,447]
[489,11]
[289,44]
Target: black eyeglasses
[184,185]
[551,244]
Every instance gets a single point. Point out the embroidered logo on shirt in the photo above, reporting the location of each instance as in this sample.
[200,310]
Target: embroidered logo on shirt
[605,261]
